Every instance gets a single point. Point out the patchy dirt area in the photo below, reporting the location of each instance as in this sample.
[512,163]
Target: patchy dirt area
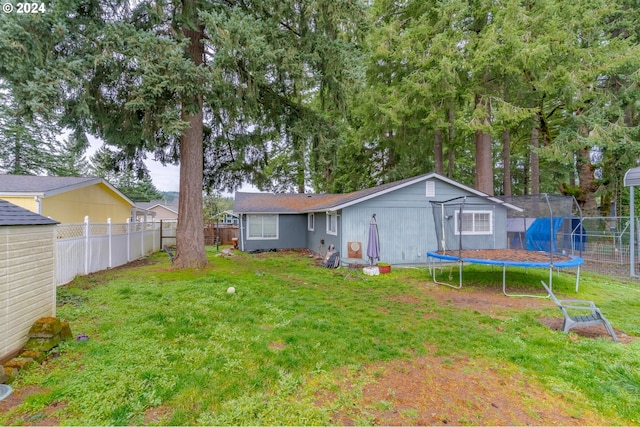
[435,390]
[445,391]
[43,418]
[492,301]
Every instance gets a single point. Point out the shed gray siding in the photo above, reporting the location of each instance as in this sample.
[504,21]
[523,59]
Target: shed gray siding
[405,223]
[292,234]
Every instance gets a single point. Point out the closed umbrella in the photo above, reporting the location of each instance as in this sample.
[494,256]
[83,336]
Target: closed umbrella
[373,244]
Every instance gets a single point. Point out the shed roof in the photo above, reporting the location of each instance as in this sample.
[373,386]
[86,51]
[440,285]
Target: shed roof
[47,186]
[632,177]
[290,203]
[11,214]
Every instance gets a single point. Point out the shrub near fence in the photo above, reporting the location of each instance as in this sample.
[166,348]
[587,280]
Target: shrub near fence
[89,247]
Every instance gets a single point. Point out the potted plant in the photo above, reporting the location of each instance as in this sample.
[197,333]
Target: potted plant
[384,267]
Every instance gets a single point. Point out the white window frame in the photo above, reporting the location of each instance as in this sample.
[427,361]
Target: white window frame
[253,217]
[474,232]
[311,222]
[332,218]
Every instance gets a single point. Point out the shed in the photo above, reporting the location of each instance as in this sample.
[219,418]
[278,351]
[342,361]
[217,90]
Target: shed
[27,277]
[403,211]
[68,199]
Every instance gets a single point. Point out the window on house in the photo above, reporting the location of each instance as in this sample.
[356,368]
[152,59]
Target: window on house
[262,227]
[332,223]
[311,222]
[474,222]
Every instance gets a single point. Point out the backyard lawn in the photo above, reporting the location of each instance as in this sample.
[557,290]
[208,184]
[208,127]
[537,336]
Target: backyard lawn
[300,345]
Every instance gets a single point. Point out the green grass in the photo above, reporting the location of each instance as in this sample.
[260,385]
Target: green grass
[178,342]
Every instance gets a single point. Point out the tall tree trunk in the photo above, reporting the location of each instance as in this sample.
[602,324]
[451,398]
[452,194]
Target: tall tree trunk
[190,229]
[506,162]
[450,143]
[437,152]
[484,157]
[587,183]
[586,178]
[534,161]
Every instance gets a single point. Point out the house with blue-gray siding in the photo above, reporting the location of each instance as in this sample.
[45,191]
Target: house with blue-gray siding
[404,212]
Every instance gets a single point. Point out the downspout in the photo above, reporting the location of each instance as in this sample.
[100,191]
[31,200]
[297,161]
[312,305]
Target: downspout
[241,233]
[632,232]
[38,204]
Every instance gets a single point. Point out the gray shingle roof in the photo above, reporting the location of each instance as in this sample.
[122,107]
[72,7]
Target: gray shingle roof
[257,203]
[37,184]
[11,214]
[300,203]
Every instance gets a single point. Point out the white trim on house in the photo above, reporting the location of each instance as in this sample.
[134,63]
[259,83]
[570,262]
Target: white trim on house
[311,221]
[420,179]
[478,225]
[262,228]
[332,223]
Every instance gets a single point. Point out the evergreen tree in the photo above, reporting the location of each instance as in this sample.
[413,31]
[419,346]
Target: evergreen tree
[28,145]
[163,77]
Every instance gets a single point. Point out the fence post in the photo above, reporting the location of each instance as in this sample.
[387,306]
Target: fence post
[128,225]
[144,230]
[87,230]
[110,246]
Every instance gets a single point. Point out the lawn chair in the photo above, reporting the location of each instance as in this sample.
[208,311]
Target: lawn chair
[595,316]
[331,259]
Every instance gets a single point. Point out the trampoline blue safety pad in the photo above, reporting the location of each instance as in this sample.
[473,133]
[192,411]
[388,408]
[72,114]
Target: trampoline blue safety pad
[526,259]
[573,261]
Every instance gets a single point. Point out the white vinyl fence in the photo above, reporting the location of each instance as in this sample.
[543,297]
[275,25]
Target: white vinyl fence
[89,247]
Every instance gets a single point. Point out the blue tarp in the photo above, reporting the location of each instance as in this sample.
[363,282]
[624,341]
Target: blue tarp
[579,235]
[540,237]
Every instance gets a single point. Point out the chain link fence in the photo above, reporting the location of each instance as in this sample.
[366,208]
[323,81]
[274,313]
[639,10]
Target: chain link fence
[604,244]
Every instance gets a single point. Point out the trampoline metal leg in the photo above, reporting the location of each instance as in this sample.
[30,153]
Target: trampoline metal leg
[433,271]
[504,286]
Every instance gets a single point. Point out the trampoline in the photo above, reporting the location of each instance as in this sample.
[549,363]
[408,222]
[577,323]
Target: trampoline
[532,231]
[506,258]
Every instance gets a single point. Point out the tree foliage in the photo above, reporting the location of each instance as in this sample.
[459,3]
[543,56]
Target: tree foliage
[512,96]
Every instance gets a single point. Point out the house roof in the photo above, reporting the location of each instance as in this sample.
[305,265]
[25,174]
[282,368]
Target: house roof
[301,203]
[157,204]
[48,186]
[11,214]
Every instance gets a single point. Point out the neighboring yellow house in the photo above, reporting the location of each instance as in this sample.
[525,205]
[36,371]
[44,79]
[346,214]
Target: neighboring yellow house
[68,199]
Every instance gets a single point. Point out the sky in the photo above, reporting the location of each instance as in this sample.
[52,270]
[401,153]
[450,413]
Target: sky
[165,178]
